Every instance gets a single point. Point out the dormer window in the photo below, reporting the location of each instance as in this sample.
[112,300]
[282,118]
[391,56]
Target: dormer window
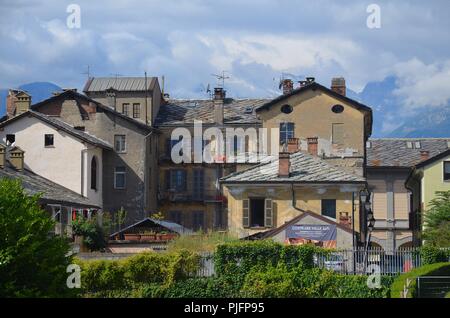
[409,144]
[368,145]
[417,145]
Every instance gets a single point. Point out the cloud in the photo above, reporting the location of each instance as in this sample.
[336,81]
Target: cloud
[423,84]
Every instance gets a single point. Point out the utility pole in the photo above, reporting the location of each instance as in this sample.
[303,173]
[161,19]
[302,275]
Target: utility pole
[146,104]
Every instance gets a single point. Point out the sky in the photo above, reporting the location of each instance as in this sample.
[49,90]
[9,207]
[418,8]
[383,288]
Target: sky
[255,41]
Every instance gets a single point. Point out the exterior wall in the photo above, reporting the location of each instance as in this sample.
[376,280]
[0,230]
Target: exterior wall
[433,181]
[64,163]
[390,205]
[308,198]
[154,100]
[313,117]
[139,198]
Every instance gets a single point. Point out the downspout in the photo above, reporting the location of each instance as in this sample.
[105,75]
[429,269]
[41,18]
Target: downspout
[146,188]
[294,200]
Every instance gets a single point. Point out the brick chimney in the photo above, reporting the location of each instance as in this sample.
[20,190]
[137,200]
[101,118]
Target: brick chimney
[284,164]
[219,97]
[16,157]
[312,145]
[338,85]
[292,145]
[287,85]
[424,155]
[2,155]
[345,219]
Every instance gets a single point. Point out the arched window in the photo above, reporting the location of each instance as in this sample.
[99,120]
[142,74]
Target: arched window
[94,173]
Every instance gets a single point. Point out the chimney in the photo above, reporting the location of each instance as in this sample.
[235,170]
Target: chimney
[312,145]
[284,164]
[16,157]
[424,155]
[2,155]
[17,102]
[345,219]
[338,85]
[111,95]
[292,145]
[219,97]
[287,85]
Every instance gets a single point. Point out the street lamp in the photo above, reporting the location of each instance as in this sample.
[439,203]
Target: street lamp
[370,222]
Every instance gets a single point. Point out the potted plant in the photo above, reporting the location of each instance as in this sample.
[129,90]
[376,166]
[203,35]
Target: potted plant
[132,236]
[148,236]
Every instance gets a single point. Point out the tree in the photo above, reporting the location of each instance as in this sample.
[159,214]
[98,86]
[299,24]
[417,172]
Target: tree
[437,221]
[33,263]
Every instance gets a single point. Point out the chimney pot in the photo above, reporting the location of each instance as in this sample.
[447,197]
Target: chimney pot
[424,155]
[288,86]
[284,164]
[16,158]
[312,145]
[338,85]
[219,93]
[2,155]
[219,96]
[292,145]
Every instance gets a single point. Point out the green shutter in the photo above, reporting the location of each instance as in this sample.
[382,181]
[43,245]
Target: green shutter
[268,213]
[246,213]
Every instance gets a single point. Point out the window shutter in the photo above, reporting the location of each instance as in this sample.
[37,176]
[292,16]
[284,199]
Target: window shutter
[268,213]
[184,174]
[167,179]
[246,213]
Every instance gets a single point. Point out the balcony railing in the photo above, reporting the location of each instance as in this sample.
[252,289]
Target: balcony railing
[189,196]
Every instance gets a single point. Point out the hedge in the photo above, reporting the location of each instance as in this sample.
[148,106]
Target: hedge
[235,260]
[120,278]
[280,281]
[432,255]
[437,269]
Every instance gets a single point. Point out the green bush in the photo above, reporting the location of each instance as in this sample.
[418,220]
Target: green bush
[204,287]
[91,231]
[438,269]
[312,283]
[32,262]
[136,273]
[431,255]
[235,260]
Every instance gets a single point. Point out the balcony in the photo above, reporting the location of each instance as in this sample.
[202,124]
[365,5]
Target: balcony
[209,196]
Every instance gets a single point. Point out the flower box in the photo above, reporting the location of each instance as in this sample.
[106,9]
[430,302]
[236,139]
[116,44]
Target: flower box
[132,237]
[148,237]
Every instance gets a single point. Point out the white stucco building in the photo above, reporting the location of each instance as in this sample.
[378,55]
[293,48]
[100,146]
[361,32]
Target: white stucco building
[59,152]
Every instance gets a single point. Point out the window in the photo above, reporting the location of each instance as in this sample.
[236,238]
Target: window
[119,177]
[257,212]
[417,145]
[10,139]
[286,109]
[198,184]
[337,109]
[171,143]
[176,180]
[446,170]
[48,140]
[136,110]
[338,134]
[286,132]
[409,145]
[198,220]
[94,173]
[120,143]
[329,208]
[176,216]
[125,109]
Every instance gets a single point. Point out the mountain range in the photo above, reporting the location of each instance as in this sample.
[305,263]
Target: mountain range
[390,119]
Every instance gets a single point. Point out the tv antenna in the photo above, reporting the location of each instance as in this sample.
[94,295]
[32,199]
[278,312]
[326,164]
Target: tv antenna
[87,72]
[221,79]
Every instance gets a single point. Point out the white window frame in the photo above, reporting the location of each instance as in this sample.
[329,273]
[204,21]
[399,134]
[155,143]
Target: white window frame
[116,173]
[124,144]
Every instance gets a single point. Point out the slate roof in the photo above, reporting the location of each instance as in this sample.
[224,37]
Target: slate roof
[393,152]
[53,121]
[236,111]
[168,225]
[304,169]
[51,192]
[72,94]
[129,84]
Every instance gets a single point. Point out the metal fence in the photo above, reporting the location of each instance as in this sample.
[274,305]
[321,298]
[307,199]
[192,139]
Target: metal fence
[351,261]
